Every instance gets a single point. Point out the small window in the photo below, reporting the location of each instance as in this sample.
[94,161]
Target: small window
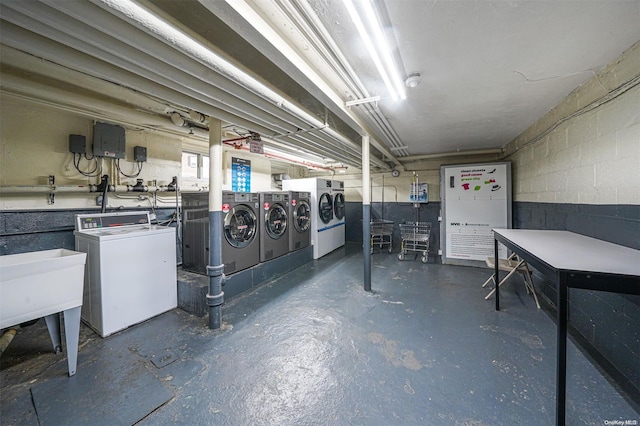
[195,166]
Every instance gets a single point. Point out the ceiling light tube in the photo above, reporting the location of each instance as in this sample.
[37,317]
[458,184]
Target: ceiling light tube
[381,41]
[355,17]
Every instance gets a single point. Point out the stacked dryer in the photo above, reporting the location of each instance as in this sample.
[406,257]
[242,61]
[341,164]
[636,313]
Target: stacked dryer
[337,191]
[327,232]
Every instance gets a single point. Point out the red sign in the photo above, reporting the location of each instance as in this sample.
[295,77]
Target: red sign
[266,206]
[294,203]
[225,208]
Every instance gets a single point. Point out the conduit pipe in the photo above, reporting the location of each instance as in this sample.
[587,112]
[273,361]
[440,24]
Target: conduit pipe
[91,188]
[37,92]
[189,47]
[143,19]
[340,65]
[412,158]
[12,36]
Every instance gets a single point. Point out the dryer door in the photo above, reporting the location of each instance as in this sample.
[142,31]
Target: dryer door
[275,221]
[240,226]
[338,205]
[302,217]
[325,208]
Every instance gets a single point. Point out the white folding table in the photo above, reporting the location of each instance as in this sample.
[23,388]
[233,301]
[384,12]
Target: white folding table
[571,260]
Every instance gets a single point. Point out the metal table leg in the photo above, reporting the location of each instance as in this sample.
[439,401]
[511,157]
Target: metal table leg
[72,335]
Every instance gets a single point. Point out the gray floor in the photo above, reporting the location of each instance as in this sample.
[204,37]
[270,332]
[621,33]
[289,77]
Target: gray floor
[312,348]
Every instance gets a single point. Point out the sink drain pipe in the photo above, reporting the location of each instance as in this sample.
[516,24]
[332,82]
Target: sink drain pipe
[6,339]
[215,269]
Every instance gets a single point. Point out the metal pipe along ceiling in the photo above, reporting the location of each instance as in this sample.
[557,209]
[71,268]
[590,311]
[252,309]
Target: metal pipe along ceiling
[200,81]
[302,13]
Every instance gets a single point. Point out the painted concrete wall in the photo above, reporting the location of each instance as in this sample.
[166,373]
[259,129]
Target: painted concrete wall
[577,169]
[34,143]
[587,149]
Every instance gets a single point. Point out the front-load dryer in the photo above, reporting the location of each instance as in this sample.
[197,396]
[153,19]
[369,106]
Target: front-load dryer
[300,218]
[274,225]
[322,209]
[339,221]
[241,239]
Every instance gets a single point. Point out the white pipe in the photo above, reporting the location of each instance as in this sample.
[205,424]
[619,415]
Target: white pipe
[215,165]
[411,158]
[28,189]
[82,35]
[254,92]
[366,173]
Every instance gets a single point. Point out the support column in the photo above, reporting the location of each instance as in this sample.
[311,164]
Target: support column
[366,212]
[215,268]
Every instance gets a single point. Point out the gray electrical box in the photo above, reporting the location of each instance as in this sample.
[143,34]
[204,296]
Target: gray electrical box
[108,140]
[77,144]
[139,154]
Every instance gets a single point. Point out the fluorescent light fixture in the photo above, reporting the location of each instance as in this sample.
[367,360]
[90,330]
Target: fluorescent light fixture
[362,101]
[374,33]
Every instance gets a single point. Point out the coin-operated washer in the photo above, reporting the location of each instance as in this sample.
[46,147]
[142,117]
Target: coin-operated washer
[274,225]
[300,216]
[130,273]
[241,240]
[323,226]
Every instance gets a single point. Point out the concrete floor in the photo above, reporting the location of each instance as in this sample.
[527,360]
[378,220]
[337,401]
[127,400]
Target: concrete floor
[312,348]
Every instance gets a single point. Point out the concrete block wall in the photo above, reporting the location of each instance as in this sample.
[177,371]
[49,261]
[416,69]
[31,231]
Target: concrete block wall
[577,169]
[585,153]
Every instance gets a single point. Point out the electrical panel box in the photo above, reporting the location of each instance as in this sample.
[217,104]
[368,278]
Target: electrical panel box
[108,140]
[77,144]
[139,154]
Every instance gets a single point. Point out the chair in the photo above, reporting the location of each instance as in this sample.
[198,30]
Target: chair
[511,265]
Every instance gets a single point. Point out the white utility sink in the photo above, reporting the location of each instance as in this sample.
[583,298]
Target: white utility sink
[44,284]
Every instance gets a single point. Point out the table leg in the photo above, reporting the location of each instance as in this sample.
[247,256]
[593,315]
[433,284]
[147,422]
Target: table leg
[72,336]
[561,367]
[53,325]
[496,272]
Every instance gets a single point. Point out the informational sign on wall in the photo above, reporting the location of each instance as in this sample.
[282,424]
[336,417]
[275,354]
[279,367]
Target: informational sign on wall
[476,199]
[240,175]
[419,193]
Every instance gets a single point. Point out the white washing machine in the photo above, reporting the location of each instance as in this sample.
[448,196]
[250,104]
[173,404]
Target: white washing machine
[323,235]
[339,221]
[130,273]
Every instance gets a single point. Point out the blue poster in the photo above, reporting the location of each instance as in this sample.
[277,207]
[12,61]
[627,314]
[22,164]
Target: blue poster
[419,193]
[240,175]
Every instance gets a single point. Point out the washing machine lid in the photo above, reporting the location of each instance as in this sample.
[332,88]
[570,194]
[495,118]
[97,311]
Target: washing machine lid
[325,208]
[275,220]
[240,226]
[338,205]
[301,216]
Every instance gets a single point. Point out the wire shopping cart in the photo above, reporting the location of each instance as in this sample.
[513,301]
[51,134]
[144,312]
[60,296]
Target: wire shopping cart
[381,234]
[415,237]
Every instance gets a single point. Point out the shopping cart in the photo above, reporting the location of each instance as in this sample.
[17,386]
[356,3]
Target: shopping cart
[415,237]
[381,233]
